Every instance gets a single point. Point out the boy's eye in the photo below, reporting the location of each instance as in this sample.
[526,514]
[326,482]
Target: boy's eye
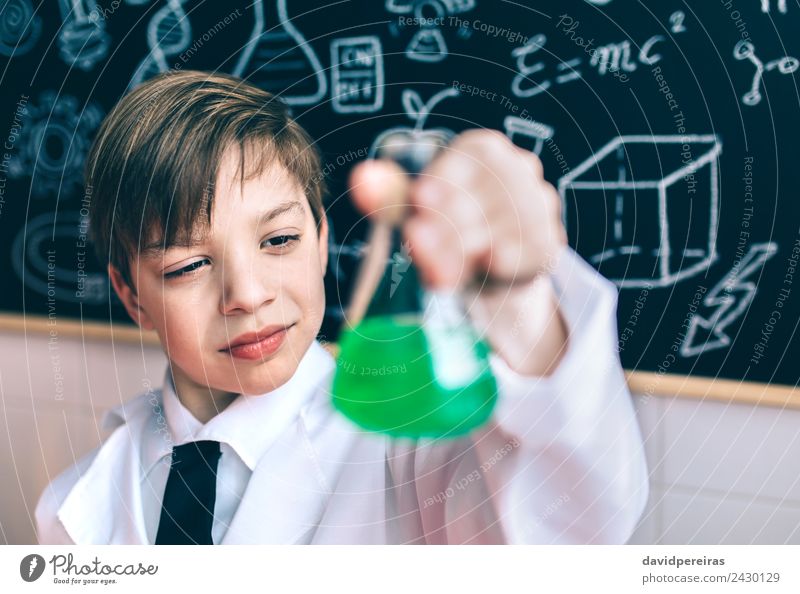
[186,269]
[280,241]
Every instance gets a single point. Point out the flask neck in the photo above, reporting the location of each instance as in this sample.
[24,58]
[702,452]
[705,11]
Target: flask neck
[399,291]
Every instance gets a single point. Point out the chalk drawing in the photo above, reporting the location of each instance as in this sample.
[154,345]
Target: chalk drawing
[655,175]
[727,301]
[745,50]
[278,59]
[357,77]
[20,28]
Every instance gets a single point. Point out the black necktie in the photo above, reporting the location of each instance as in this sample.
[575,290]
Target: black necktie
[187,512]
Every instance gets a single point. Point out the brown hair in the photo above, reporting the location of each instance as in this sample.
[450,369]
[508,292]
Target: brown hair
[157,155]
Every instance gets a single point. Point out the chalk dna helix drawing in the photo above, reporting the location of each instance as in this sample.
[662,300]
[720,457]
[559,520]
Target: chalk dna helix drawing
[169,32]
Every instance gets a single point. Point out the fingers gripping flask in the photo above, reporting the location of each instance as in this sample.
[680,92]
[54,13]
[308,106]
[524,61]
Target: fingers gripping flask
[410,362]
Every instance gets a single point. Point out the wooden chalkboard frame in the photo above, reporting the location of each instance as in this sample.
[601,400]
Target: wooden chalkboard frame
[639,382]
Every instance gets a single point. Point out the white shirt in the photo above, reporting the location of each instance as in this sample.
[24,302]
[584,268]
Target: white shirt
[561,462]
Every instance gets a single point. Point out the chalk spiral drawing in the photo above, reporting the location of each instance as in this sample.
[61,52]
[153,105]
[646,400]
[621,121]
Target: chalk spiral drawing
[745,50]
[727,301]
[29,259]
[278,59]
[20,28]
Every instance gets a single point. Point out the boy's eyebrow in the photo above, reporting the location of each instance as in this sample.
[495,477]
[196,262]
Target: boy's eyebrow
[283,208]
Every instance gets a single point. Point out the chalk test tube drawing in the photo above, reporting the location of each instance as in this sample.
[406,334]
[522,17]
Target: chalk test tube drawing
[522,131]
[64,269]
[745,50]
[419,112]
[727,302]
[82,39]
[56,132]
[765,6]
[357,74]
[644,209]
[278,59]
[169,33]
[428,44]
[20,28]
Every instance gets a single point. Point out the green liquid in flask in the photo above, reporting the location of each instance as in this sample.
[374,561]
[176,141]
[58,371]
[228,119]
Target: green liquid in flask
[394,379]
[413,366]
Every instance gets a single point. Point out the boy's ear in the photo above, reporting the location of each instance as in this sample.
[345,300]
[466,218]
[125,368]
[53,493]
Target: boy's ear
[323,244]
[129,299]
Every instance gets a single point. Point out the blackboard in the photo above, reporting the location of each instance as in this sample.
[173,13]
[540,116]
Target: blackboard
[668,127]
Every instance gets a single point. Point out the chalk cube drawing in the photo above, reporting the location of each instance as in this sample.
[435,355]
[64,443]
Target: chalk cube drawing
[644,209]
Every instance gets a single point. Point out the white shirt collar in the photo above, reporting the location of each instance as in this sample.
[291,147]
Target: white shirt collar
[250,424]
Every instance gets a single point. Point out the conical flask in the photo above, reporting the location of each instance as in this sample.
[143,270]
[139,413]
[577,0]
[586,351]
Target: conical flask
[278,59]
[410,362]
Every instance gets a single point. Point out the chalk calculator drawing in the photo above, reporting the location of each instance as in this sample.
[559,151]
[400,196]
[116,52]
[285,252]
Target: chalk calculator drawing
[357,74]
[619,204]
[278,59]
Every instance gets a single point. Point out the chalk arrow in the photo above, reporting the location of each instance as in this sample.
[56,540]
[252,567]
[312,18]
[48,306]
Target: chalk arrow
[729,299]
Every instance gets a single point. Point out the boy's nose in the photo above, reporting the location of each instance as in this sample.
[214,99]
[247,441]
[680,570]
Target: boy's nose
[244,287]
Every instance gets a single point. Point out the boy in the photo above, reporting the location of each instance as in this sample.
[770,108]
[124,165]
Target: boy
[207,205]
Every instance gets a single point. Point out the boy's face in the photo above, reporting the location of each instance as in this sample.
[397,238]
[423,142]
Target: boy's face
[260,267]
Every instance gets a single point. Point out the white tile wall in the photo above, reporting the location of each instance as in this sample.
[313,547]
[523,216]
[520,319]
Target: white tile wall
[45,427]
[720,473]
[726,518]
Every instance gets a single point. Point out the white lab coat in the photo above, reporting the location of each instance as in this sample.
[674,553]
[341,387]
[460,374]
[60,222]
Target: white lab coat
[561,462]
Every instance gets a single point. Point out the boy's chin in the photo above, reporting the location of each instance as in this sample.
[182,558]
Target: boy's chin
[263,381]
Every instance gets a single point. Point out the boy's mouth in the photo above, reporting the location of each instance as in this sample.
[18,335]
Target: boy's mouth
[256,345]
